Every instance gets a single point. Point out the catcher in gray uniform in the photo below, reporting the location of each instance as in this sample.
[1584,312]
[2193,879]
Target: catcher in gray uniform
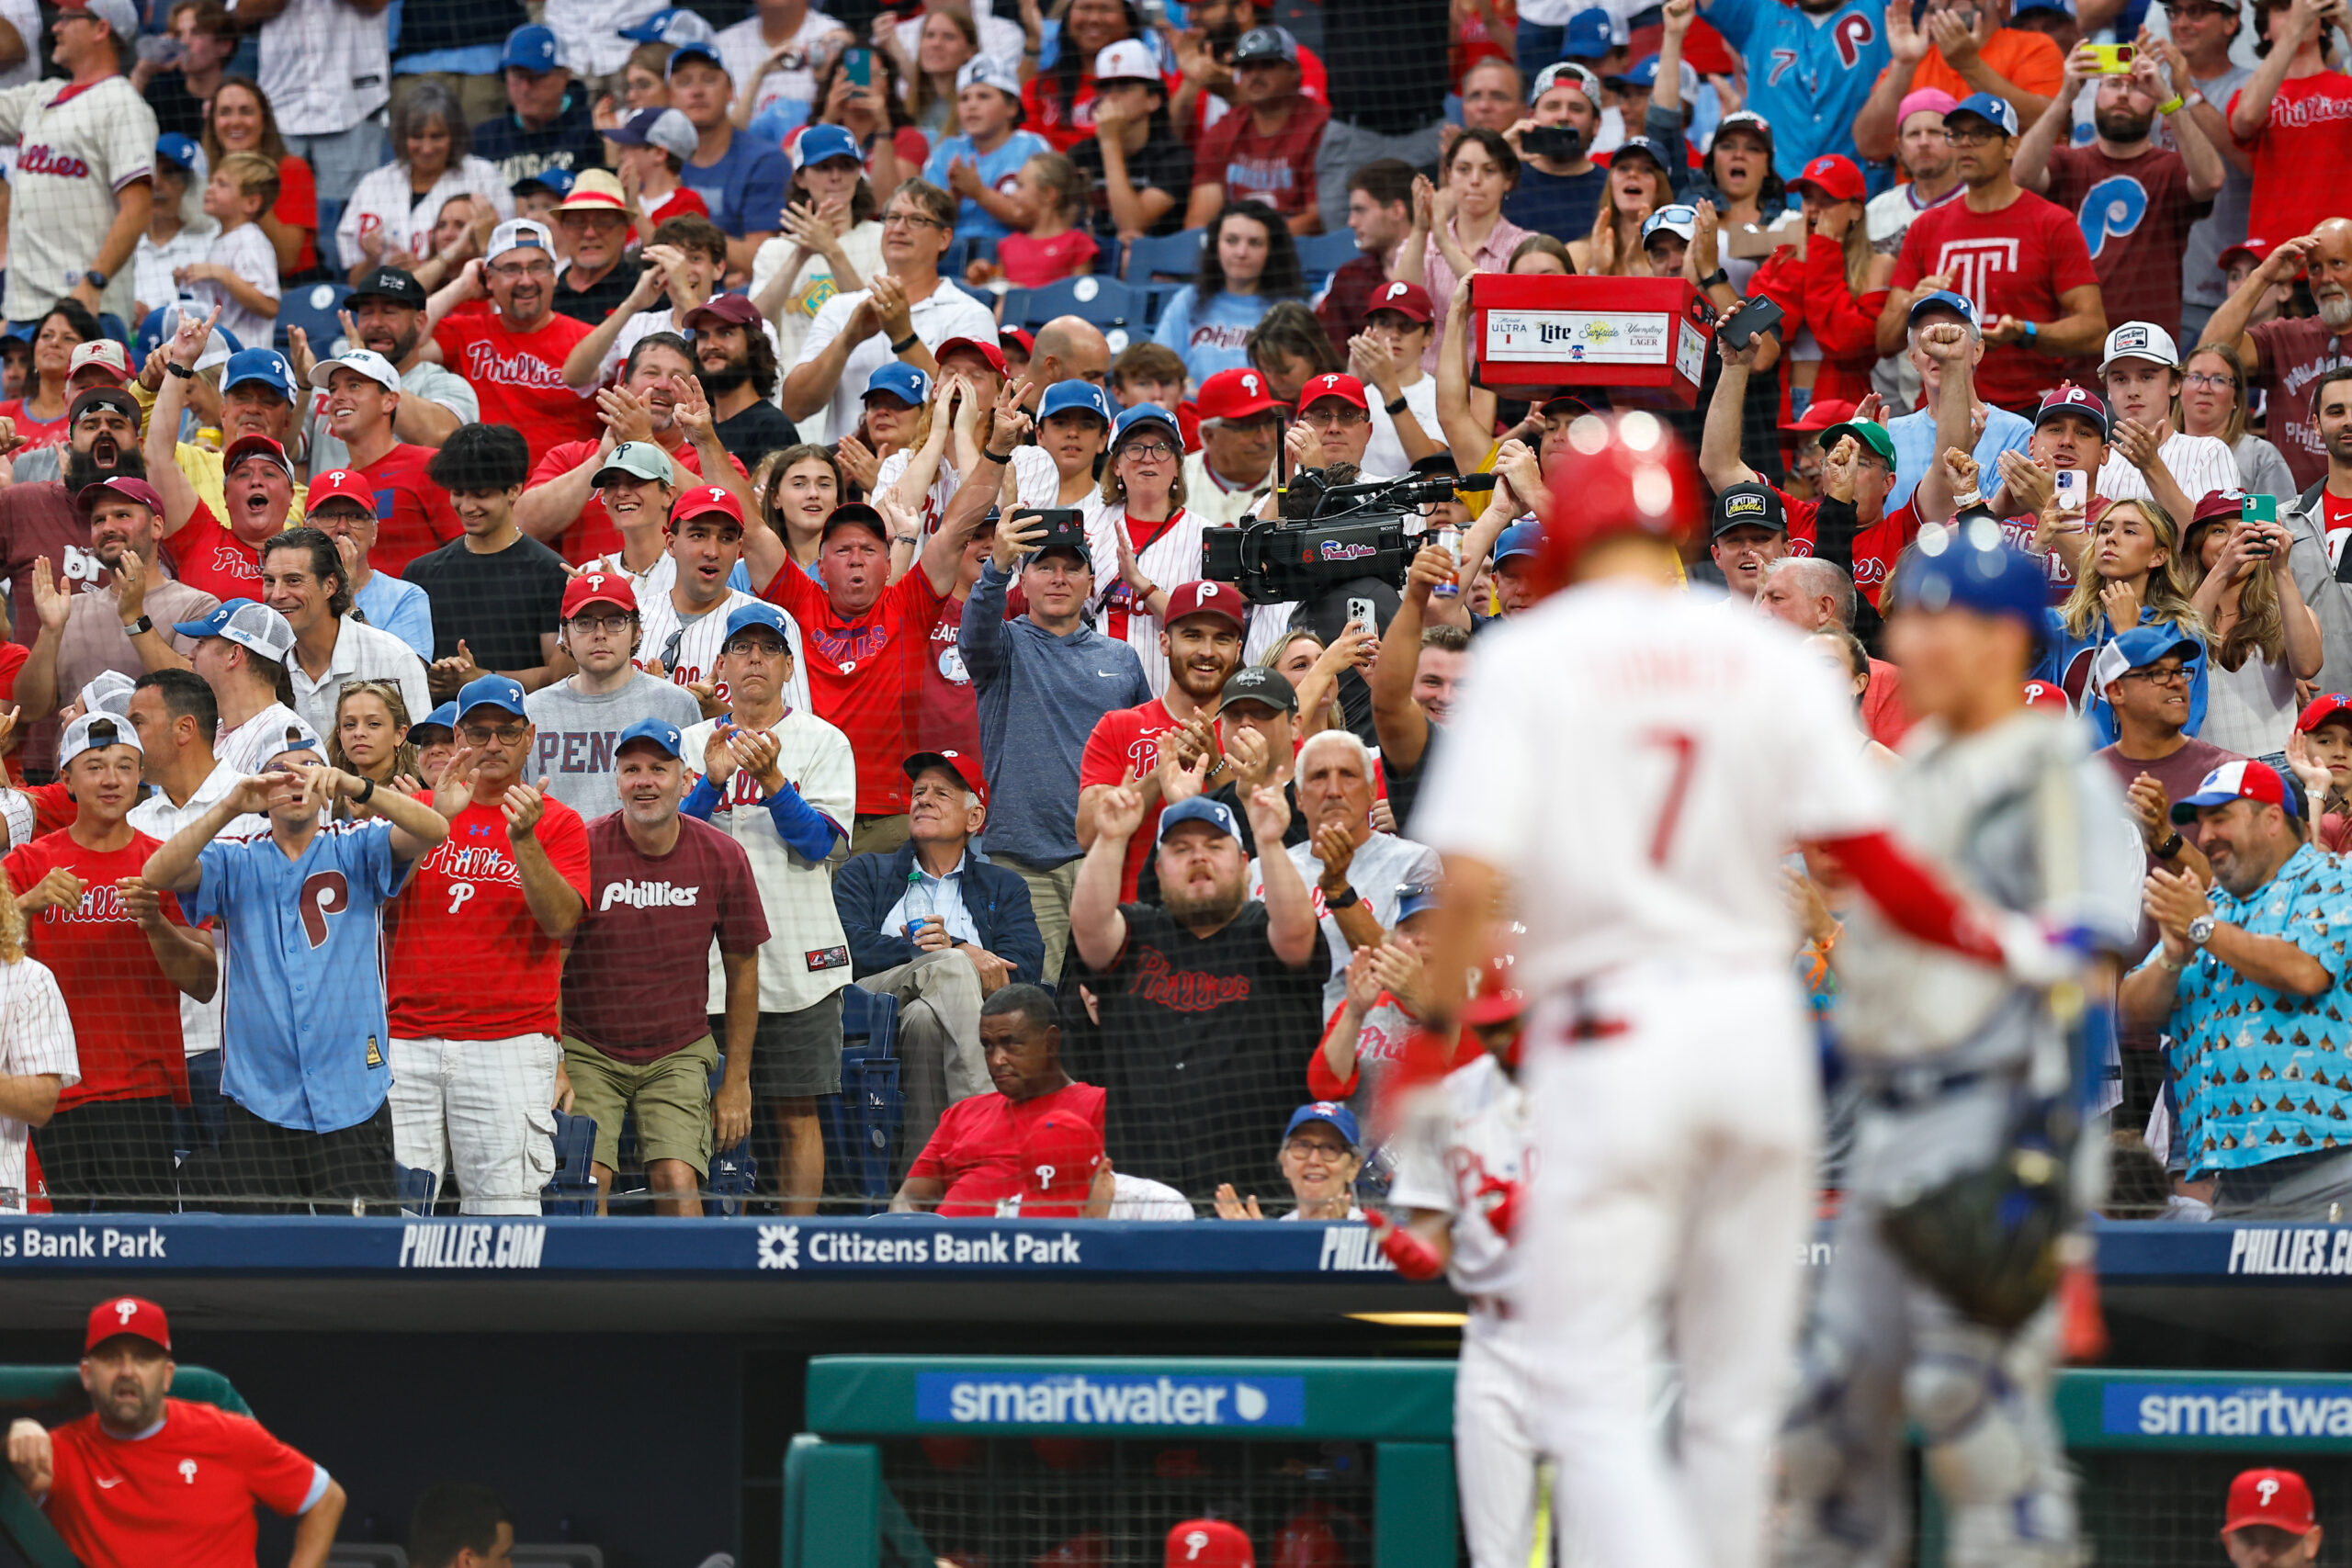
[1937,1308]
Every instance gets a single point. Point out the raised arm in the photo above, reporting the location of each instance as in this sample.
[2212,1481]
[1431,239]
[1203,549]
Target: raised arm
[2228,324]
[1719,458]
[1466,414]
[2030,164]
[2288,34]
[1879,122]
[1290,912]
[587,356]
[175,868]
[159,443]
[1096,921]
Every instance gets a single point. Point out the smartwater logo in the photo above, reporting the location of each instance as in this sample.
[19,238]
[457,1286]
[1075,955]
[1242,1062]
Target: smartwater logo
[2261,1411]
[1057,1399]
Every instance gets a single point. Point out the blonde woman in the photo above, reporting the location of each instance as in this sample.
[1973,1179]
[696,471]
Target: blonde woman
[371,739]
[38,1059]
[1313,672]
[2265,638]
[2131,574]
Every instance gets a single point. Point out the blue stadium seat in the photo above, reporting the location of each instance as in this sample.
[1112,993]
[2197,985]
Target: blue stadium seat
[573,1189]
[111,326]
[1321,255]
[733,1171]
[1012,308]
[417,1189]
[1176,256]
[313,307]
[1104,301]
[862,1123]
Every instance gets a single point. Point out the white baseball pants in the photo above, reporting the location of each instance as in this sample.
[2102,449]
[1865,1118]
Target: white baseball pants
[482,1110]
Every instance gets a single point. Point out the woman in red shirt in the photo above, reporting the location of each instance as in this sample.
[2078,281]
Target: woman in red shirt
[1836,291]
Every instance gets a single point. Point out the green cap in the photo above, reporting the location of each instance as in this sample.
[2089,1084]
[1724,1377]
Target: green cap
[644,461]
[1867,432]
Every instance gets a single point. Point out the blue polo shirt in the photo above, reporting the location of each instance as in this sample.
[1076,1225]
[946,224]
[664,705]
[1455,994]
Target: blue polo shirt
[2261,1074]
[302,1025]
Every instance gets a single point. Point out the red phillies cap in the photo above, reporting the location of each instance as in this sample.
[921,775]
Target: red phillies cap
[1209,1543]
[1021,338]
[597,588]
[2254,250]
[2323,709]
[1058,1160]
[1820,414]
[1334,384]
[1409,301]
[962,767]
[1235,394]
[136,1314]
[1218,599]
[1834,176]
[704,499]
[990,351]
[2042,694]
[341,484]
[2275,1497]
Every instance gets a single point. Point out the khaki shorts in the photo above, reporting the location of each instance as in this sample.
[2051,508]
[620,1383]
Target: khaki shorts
[671,1097]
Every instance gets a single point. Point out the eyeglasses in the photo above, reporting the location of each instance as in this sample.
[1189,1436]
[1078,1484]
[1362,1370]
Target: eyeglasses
[1150,451]
[1333,419]
[604,626]
[1313,1148]
[525,269]
[483,734]
[1970,138]
[2210,383]
[2160,675]
[910,220]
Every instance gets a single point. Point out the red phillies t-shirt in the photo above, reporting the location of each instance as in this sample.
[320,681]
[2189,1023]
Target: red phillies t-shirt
[1032,263]
[205,556]
[1128,739]
[947,717]
[2300,156]
[2290,354]
[1065,128]
[126,1014]
[638,983]
[518,377]
[1278,170]
[591,534]
[414,516]
[1876,547]
[468,959]
[863,678]
[2136,214]
[184,1495]
[976,1149]
[2016,262]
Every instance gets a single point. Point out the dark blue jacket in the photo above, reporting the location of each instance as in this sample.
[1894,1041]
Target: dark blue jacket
[997,900]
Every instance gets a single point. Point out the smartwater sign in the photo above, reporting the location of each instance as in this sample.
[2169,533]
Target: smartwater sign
[2259,1412]
[1108,1400]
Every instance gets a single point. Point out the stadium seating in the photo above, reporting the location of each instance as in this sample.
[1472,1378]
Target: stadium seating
[1321,255]
[1176,257]
[313,307]
[1104,301]
[573,1189]
[862,1123]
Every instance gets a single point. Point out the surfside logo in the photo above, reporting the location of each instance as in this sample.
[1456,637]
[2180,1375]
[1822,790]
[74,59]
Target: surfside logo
[1078,1399]
[2260,1412]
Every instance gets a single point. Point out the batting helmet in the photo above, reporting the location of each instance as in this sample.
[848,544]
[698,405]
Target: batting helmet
[1973,567]
[1496,1000]
[1616,474]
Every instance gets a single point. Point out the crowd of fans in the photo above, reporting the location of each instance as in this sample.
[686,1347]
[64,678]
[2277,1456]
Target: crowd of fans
[675,593]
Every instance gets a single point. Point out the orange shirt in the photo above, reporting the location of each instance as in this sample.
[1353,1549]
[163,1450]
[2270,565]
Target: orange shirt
[2026,61]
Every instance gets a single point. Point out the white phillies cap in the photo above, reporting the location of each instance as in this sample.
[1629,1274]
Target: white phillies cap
[1126,61]
[986,71]
[95,732]
[366,361]
[2140,339]
[249,623]
[519,234]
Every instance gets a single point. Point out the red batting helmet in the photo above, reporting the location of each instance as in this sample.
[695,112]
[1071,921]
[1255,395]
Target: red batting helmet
[1615,474]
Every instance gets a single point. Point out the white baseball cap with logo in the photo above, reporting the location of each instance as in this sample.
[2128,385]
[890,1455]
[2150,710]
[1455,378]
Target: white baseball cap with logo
[1126,60]
[364,361]
[518,234]
[247,622]
[2140,339]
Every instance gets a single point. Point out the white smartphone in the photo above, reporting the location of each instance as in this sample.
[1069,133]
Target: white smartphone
[1359,613]
[2073,490]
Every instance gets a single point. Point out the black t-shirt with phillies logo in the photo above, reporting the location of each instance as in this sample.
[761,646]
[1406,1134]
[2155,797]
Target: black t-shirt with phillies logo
[1203,1048]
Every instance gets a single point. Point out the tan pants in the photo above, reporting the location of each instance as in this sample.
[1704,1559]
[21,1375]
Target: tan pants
[1049,891]
[877,835]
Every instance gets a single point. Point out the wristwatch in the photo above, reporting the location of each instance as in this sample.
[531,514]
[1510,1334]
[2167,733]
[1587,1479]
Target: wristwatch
[2171,847]
[1721,274]
[2200,929]
[1396,408]
[95,278]
[1345,899]
[140,628]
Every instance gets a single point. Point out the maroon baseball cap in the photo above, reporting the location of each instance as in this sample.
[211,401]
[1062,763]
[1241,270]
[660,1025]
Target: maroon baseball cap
[124,486]
[962,767]
[725,310]
[1218,599]
[1409,301]
[2073,400]
[2275,1497]
[2219,504]
[128,1314]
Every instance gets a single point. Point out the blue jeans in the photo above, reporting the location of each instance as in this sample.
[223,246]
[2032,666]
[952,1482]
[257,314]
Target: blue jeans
[195,1126]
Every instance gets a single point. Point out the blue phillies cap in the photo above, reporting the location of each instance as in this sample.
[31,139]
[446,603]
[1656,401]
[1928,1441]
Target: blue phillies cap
[1942,300]
[1331,1111]
[530,48]
[658,732]
[1145,414]
[1642,146]
[901,380]
[264,365]
[443,718]
[1519,539]
[491,692]
[180,152]
[757,615]
[688,55]
[2138,649]
[1199,808]
[1590,34]
[1973,567]
[557,180]
[1064,396]
[674,26]
[823,143]
[1992,109]
[247,622]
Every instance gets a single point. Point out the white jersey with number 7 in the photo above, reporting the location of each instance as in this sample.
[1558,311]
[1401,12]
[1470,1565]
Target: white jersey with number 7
[1637,759]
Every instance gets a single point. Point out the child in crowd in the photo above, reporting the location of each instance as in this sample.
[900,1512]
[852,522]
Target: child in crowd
[1154,373]
[981,164]
[371,739]
[1052,247]
[238,272]
[173,240]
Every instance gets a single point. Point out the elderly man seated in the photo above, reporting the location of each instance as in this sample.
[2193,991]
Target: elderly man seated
[937,926]
[975,1160]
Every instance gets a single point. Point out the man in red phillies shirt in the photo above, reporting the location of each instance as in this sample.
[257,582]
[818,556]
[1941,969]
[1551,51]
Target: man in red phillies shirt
[496,325]
[122,956]
[2286,356]
[864,635]
[476,1066]
[413,513]
[1263,151]
[146,1479]
[973,1161]
[1168,741]
[2293,118]
[2021,260]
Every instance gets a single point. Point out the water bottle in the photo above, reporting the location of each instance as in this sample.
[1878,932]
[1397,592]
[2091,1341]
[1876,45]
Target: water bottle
[919,905]
[1447,536]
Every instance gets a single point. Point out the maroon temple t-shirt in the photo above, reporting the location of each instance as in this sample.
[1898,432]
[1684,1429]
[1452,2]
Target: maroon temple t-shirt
[638,978]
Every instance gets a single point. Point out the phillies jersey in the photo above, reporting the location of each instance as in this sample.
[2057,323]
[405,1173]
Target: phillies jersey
[519,376]
[1122,739]
[1808,72]
[76,148]
[2016,262]
[688,650]
[183,1494]
[1640,759]
[1466,1159]
[414,516]
[862,673]
[468,959]
[205,556]
[1169,554]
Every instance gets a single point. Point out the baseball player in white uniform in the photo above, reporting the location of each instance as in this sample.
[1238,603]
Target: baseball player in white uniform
[80,143]
[1631,765]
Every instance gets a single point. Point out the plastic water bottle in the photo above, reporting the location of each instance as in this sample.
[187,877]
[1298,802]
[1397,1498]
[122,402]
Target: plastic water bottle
[1447,536]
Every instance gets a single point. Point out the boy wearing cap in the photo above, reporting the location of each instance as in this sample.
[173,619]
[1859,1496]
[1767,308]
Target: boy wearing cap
[671,898]
[655,144]
[169,243]
[2270,1522]
[361,408]
[496,325]
[195,1470]
[1387,356]
[979,164]
[2021,259]
[783,785]
[576,719]
[686,606]
[2142,370]
[497,593]
[1139,168]
[299,914]
[122,961]
[547,125]
[1264,149]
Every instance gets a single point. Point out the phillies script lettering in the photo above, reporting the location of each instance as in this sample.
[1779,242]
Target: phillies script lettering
[648,896]
[41,160]
[1184,990]
[2297,114]
[484,363]
[476,863]
[101,905]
